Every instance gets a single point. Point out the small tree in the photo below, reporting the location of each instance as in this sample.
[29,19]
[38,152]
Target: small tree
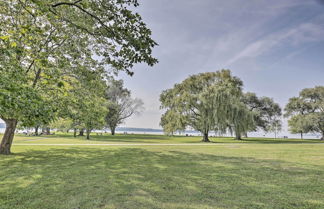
[298,124]
[172,121]
[275,126]
[307,111]
[120,104]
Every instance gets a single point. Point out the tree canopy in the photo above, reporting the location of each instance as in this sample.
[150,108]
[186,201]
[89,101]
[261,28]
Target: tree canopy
[120,104]
[267,113]
[43,44]
[306,111]
[215,102]
[206,102]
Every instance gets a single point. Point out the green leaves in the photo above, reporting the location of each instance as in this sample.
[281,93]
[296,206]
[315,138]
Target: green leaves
[52,50]
[307,111]
[205,102]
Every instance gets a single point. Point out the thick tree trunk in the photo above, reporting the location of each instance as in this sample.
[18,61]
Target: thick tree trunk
[36,130]
[205,137]
[322,139]
[48,131]
[8,136]
[88,133]
[75,132]
[113,130]
[81,132]
[238,136]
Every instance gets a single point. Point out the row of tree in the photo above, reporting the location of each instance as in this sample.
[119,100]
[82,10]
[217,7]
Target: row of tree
[84,113]
[214,101]
[56,59]
[87,109]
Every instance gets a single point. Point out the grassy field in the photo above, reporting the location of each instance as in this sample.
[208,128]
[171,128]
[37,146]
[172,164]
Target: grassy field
[254,173]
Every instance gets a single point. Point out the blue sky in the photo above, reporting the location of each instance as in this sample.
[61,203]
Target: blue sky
[276,47]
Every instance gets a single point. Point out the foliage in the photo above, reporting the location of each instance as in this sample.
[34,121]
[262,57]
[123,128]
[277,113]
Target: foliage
[62,124]
[206,102]
[120,104]
[266,112]
[307,111]
[172,121]
[45,43]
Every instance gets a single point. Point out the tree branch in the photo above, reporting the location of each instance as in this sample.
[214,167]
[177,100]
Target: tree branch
[85,11]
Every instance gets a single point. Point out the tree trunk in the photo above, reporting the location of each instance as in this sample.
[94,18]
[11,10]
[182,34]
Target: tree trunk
[36,130]
[8,136]
[81,132]
[205,137]
[74,132]
[246,135]
[301,135]
[88,133]
[322,139]
[113,129]
[238,136]
[48,131]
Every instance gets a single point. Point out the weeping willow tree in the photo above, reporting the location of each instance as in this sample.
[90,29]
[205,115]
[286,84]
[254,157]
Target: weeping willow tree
[206,102]
[240,119]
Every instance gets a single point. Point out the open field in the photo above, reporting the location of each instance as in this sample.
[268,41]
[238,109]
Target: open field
[254,173]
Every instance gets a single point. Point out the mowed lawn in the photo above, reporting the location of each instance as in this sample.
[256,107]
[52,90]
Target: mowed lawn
[255,173]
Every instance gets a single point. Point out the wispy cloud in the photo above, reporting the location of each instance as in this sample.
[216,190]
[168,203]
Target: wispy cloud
[303,33]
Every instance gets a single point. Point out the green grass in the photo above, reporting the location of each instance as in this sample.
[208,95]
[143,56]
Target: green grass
[147,138]
[255,173]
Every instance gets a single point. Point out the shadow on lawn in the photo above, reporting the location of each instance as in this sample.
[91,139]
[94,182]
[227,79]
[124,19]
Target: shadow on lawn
[137,178]
[282,141]
[150,138]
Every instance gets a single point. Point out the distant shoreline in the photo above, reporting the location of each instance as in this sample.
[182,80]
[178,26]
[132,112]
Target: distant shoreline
[132,130]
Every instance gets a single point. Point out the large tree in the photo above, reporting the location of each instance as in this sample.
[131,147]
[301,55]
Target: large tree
[120,104]
[206,102]
[307,111]
[44,42]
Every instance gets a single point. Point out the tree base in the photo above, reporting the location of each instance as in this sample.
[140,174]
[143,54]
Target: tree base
[8,136]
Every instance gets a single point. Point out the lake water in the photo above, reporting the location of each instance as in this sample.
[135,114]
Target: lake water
[194,133]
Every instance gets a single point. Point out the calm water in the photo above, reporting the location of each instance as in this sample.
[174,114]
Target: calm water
[193,133]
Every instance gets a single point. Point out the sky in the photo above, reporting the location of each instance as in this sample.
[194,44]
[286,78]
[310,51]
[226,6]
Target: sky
[276,47]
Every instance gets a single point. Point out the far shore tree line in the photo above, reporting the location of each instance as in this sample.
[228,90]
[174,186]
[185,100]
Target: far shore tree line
[215,101]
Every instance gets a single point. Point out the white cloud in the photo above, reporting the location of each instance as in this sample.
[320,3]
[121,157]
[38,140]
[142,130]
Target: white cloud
[303,33]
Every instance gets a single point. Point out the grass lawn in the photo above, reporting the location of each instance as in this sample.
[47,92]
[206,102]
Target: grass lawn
[254,173]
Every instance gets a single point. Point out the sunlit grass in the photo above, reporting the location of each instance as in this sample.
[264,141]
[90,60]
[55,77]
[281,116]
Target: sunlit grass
[252,174]
[145,138]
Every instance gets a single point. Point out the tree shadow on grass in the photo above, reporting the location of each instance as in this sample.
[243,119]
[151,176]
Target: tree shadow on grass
[151,138]
[283,141]
[146,138]
[138,178]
